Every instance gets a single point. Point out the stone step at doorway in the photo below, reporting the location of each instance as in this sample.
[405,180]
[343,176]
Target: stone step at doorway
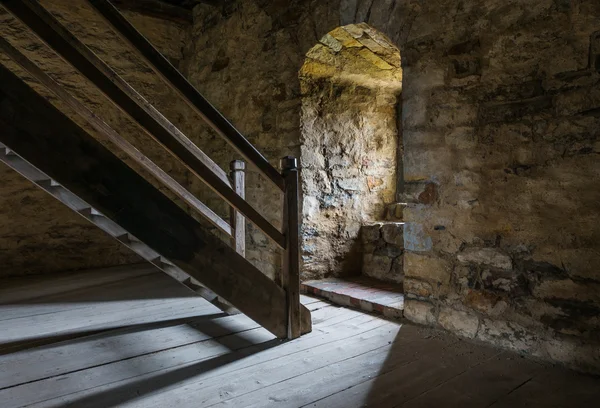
[361,292]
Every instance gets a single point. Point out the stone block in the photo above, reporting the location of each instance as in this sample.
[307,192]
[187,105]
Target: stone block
[578,100]
[428,268]
[393,233]
[508,335]
[566,289]
[458,322]
[488,303]
[370,233]
[415,238]
[420,312]
[417,288]
[486,256]
[514,111]
[382,259]
[395,212]
[376,266]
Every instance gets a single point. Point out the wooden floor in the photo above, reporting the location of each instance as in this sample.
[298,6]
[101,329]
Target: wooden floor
[135,338]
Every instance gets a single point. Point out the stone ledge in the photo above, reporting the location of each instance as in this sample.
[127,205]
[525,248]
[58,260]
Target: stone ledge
[361,293]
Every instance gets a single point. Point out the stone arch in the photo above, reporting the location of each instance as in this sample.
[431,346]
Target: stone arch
[351,82]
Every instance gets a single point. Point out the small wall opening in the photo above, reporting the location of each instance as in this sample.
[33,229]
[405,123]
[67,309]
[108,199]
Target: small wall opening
[350,145]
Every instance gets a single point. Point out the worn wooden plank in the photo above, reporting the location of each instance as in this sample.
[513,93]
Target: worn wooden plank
[175,374]
[50,361]
[102,316]
[26,289]
[133,376]
[233,389]
[306,300]
[103,128]
[180,358]
[147,287]
[496,378]
[181,85]
[555,388]
[398,382]
[53,143]
[323,380]
[49,30]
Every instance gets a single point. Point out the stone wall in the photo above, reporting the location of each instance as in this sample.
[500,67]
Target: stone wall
[382,251]
[501,103]
[350,84]
[37,233]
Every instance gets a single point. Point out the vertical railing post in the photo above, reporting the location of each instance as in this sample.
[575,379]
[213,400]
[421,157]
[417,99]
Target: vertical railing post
[291,226]
[238,222]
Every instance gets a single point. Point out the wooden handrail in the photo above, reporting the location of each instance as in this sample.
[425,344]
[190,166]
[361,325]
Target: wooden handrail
[55,35]
[107,131]
[182,86]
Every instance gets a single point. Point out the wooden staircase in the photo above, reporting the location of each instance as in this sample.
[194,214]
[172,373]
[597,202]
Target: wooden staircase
[45,146]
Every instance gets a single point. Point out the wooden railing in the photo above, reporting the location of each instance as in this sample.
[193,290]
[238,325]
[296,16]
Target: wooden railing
[129,101]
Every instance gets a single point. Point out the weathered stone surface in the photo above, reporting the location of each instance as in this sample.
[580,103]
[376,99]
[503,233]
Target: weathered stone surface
[499,128]
[418,288]
[486,256]
[427,268]
[458,322]
[382,251]
[419,312]
[393,233]
[415,238]
[508,335]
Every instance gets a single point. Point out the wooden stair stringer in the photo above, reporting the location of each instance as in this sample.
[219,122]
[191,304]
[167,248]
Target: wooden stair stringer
[97,185]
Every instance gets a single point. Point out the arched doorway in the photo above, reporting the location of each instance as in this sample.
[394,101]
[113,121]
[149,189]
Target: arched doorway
[351,83]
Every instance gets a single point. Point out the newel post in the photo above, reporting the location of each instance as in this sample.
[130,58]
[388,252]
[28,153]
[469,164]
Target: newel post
[291,226]
[237,220]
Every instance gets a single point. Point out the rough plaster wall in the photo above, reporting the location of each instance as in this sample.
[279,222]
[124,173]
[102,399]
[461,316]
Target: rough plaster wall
[501,107]
[37,233]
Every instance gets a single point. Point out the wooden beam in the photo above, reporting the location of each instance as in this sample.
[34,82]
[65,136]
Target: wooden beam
[237,220]
[158,9]
[49,140]
[54,34]
[103,128]
[181,85]
[291,269]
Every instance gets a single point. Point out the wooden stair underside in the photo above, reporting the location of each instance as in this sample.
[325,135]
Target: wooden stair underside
[61,158]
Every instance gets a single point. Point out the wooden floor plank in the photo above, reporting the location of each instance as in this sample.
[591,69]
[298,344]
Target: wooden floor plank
[239,383]
[177,376]
[352,369]
[168,349]
[155,285]
[90,379]
[554,388]
[494,379]
[24,289]
[110,315]
[66,357]
[397,383]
